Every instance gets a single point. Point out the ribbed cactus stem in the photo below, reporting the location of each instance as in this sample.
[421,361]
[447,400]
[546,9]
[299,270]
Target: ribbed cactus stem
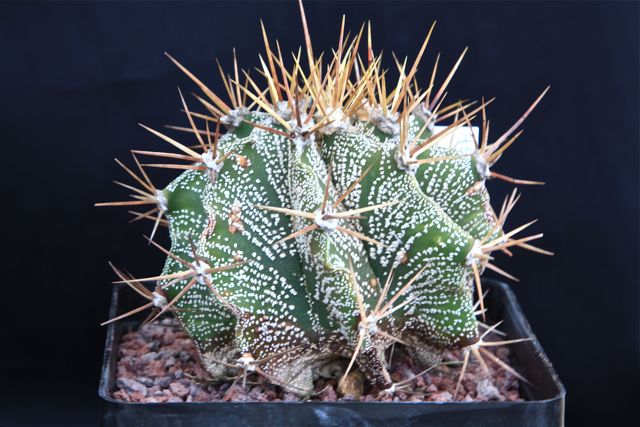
[333,219]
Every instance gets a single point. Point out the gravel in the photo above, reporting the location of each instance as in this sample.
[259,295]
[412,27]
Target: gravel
[159,363]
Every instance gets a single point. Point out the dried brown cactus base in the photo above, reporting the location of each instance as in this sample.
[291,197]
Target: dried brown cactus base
[160,363]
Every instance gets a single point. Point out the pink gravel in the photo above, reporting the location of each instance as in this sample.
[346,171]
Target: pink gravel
[159,363]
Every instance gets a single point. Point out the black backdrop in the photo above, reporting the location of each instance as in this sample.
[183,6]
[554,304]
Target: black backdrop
[77,77]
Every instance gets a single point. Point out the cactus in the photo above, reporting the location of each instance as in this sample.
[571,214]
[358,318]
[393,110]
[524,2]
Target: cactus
[333,219]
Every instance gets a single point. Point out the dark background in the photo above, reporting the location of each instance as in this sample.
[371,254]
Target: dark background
[75,78]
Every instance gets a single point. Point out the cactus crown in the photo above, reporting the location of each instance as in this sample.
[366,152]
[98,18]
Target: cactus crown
[337,216]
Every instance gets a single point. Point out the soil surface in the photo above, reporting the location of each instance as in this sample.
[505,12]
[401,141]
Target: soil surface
[159,363]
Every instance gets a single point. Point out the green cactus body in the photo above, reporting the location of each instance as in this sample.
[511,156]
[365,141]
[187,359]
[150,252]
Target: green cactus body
[332,232]
[299,295]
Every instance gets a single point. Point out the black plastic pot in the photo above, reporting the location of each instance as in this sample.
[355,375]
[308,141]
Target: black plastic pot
[544,405]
